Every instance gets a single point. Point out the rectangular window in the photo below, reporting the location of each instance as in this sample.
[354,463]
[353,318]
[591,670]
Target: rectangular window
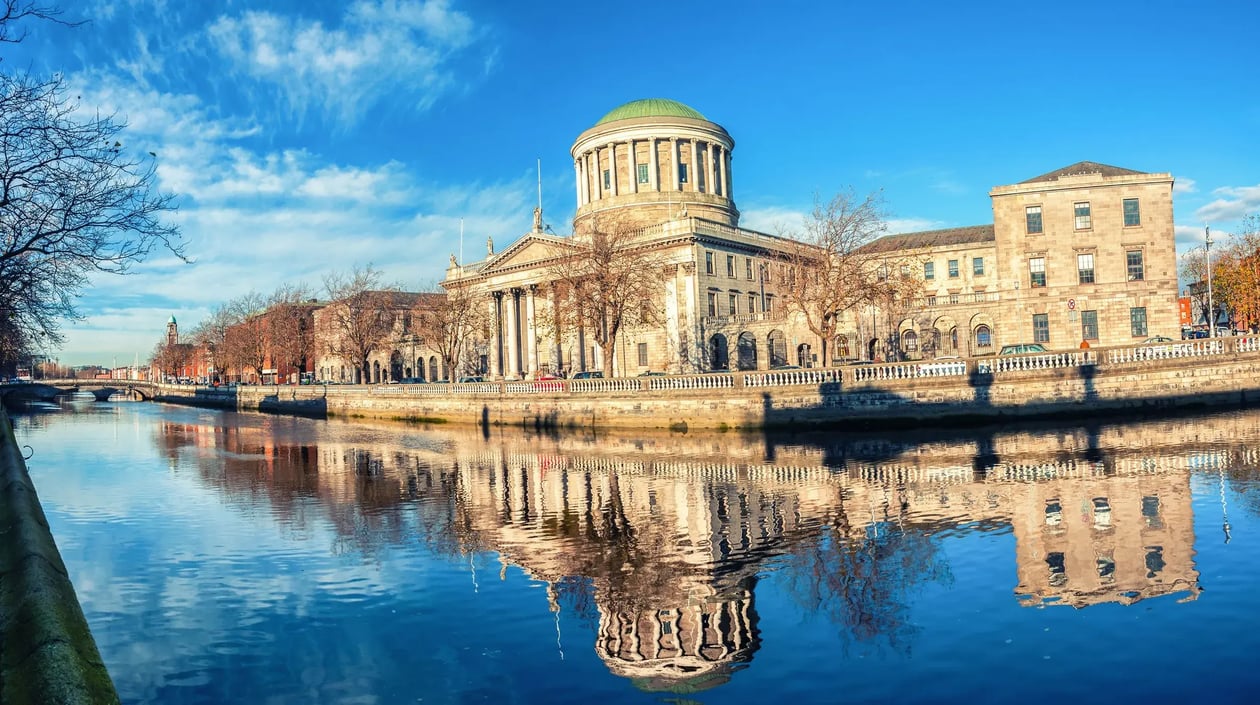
[732,301]
[712,304]
[752,303]
[929,270]
[708,262]
[1032,218]
[748,268]
[882,273]
[607,180]
[905,271]
[1132,213]
[1137,270]
[769,303]
[1089,325]
[643,361]
[682,173]
[1085,268]
[1037,271]
[977,266]
[643,173]
[1081,211]
[1137,321]
[953,269]
[1041,327]
[730,266]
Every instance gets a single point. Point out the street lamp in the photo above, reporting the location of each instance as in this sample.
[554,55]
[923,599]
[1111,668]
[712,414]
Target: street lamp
[1207,242]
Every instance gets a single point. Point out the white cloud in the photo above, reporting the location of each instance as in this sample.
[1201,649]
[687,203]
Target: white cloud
[913,225]
[390,47]
[1183,185]
[774,220]
[1232,204]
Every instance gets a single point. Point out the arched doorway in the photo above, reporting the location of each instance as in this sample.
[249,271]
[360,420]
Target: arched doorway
[840,348]
[872,347]
[396,366]
[718,357]
[804,355]
[376,372]
[776,345]
[746,348]
[420,367]
[910,344]
[433,369]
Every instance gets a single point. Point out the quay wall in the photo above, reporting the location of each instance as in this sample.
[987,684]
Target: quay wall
[47,653]
[1205,373]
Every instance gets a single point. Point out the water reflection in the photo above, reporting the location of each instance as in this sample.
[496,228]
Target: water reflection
[660,542]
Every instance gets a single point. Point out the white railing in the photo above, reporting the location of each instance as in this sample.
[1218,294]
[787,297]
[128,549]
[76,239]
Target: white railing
[1039,361]
[614,384]
[909,370]
[716,380]
[1167,351]
[788,378]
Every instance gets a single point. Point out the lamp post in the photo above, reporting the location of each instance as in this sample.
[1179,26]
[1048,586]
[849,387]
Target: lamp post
[1207,243]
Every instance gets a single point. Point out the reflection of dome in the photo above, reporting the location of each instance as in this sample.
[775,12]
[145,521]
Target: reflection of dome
[651,107]
[681,650]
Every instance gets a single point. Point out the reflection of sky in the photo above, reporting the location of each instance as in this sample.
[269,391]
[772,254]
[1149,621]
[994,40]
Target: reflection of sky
[198,594]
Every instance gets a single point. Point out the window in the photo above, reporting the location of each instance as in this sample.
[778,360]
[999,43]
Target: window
[1089,325]
[708,262]
[1032,218]
[910,341]
[607,180]
[1137,272]
[882,273]
[1085,267]
[929,270]
[643,361]
[1132,213]
[984,337]
[752,303]
[1081,210]
[1137,321]
[682,173]
[732,301]
[1037,271]
[977,266]
[905,271]
[712,304]
[1041,327]
[769,303]
[953,269]
[748,268]
[730,266]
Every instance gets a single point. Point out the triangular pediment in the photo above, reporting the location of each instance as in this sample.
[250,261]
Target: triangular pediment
[533,248]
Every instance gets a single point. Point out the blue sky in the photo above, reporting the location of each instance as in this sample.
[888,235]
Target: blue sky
[305,137]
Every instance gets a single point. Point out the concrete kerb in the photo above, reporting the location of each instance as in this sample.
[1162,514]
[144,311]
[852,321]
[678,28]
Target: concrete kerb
[47,653]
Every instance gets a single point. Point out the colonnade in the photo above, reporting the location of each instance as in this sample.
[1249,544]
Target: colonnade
[514,348]
[715,157]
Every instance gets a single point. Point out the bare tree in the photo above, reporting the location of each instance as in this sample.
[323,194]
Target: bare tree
[360,315]
[290,327]
[73,200]
[211,335]
[607,280]
[245,343]
[826,270]
[449,322]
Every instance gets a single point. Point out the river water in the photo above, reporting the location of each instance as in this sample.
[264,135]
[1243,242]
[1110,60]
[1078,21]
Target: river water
[245,558]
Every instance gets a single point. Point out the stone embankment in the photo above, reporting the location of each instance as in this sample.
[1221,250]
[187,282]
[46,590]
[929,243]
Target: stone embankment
[1126,380]
[47,654]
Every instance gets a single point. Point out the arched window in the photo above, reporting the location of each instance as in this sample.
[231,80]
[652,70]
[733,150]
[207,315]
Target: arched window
[747,351]
[953,339]
[433,369]
[841,347]
[984,336]
[804,355]
[376,372]
[718,358]
[910,341]
[776,345]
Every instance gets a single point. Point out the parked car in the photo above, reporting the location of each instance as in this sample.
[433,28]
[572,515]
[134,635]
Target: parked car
[651,373]
[412,380]
[786,367]
[1157,339]
[588,374]
[1022,348]
[471,380]
[548,383]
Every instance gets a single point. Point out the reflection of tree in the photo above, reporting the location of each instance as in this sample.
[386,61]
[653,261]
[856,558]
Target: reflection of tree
[861,578]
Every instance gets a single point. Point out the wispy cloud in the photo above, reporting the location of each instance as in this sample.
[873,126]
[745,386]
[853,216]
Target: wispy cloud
[388,47]
[1232,203]
[1182,185]
[897,226]
[774,220]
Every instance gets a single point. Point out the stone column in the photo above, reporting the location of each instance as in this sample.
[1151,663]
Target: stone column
[633,178]
[673,165]
[726,181]
[496,351]
[693,174]
[577,174]
[598,192]
[513,334]
[690,318]
[711,181]
[531,335]
[612,169]
[673,324]
[723,156]
[654,166]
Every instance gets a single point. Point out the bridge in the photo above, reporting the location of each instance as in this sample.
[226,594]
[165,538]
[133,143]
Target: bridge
[102,389]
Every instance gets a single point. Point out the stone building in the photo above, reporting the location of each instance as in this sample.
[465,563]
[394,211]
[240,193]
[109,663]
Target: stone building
[1083,254]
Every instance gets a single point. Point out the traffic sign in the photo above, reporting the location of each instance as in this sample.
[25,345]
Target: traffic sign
[1071,304]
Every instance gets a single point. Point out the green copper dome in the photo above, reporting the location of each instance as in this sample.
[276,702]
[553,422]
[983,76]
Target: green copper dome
[651,107]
